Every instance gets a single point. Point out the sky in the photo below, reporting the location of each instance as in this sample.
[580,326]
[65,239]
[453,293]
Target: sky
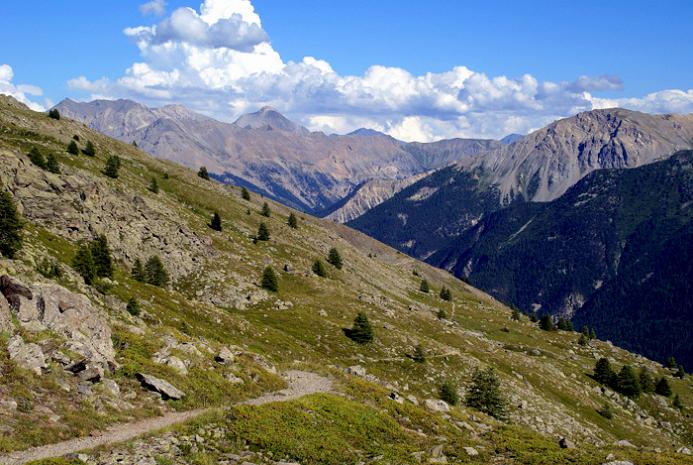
[416,70]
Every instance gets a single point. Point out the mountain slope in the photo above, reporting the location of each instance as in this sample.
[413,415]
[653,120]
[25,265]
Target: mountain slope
[613,251]
[215,336]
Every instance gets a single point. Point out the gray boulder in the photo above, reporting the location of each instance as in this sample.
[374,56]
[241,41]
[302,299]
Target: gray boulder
[436,405]
[164,388]
[6,325]
[27,355]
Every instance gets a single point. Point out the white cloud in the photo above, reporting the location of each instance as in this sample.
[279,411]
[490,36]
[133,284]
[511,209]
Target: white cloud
[22,91]
[219,61]
[154,7]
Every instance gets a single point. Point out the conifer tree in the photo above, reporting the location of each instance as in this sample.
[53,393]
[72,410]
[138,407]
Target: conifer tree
[663,388]
[671,363]
[138,271]
[134,143]
[628,383]
[245,195]
[442,314]
[319,268]
[445,294]
[270,280]
[293,221]
[448,393]
[10,225]
[680,373]
[533,317]
[154,272]
[515,315]
[419,354]
[266,210]
[263,233]
[83,263]
[37,158]
[603,373]
[593,334]
[485,394]
[215,224]
[677,402]
[583,340]
[72,148]
[52,164]
[585,331]
[153,186]
[334,258]
[89,150]
[424,287]
[54,113]
[112,166]
[203,173]
[362,331]
[546,323]
[646,381]
[133,307]
[101,256]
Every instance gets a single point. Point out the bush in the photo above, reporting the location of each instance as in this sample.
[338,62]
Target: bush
[424,287]
[83,264]
[52,164]
[448,393]
[293,221]
[270,280]
[263,233]
[153,186]
[515,316]
[137,272]
[677,402]
[361,332]
[606,412]
[419,354]
[49,268]
[319,268]
[10,226]
[215,223]
[89,150]
[445,294]
[442,314]
[37,158]
[72,148]
[203,173]
[485,394]
[54,113]
[266,210]
[663,388]
[334,258]
[155,273]
[533,317]
[245,195]
[133,307]
[112,166]
[680,373]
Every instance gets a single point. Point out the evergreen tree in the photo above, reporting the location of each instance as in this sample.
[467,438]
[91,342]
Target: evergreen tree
[270,280]
[72,148]
[445,294]
[37,158]
[203,173]
[138,271]
[565,324]
[603,373]
[134,143]
[112,166]
[628,383]
[442,314]
[54,113]
[448,393]
[424,287]
[680,373]
[334,258]
[593,334]
[515,316]
[153,186]
[646,381]
[245,195]
[215,224]
[662,388]
[671,363]
[83,263]
[319,268]
[293,221]
[52,164]
[533,317]
[133,307]
[546,323]
[419,354]
[361,332]
[263,233]
[583,340]
[101,256]
[89,150]
[586,331]
[266,210]
[677,402]
[10,225]
[485,394]
[154,272]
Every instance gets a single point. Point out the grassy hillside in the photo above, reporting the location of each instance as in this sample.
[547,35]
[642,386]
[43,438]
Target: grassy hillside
[215,301]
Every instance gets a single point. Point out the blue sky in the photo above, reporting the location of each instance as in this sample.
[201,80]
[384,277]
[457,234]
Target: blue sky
[618,52]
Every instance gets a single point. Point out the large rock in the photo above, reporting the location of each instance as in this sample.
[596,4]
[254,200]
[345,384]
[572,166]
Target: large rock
[6,325]
[166,389]
[49,306]
[27,355]
[436,405]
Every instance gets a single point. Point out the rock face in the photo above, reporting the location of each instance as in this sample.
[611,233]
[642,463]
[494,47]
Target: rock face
[49,306]
[27,355]
[164,388]
[6,325]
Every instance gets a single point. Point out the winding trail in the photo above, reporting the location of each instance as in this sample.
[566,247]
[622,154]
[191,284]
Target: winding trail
[300,383]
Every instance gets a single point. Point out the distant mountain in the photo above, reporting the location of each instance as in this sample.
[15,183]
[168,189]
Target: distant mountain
[269,153]
[615,252]
[510,138]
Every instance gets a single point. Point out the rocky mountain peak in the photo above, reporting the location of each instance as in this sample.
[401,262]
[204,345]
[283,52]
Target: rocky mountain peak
[268,118]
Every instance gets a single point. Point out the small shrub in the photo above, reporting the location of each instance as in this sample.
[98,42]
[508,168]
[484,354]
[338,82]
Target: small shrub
[424,287]
[202,173]
[112,166]
[419,354]
[52,164]
[448,393]
[155,273]
[266,210]
[292,221]
[663,388]
[263,233]
[54,114]
[153,186]
[37,158]
[72,148]
[215,223]
[605,411]
[445,294]
[49,268]
[442,314]
[334,258]
[361,332]
[89,150]
[319,268]
[270,281]
[133,307]
[515,316]
[245,195]
[546,323]
[671,363]
[677,402]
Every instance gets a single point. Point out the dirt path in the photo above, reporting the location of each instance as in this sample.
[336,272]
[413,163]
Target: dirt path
[300,383]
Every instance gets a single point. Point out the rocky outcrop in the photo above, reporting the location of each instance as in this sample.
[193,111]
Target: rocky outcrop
[27,355]
[6,325]
[164,388]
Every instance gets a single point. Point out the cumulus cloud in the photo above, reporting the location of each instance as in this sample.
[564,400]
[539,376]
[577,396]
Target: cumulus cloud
[19,91]
[219,61]
[154,7]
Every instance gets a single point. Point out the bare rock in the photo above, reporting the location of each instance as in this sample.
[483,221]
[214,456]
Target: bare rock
[356,370]
[472,452]
[6,325]
[28,356]
[436,405]
[225,356]
[164,388]
[566,443]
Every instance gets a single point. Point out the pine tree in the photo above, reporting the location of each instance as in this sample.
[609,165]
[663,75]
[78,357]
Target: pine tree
[603,373]
[137,271]
[215,224]
[445,294]
[153,186]
[72,148]
[10,226]
[677,402]
[37,158]
[593,334]
[671,363]
[54,113]
[515,315]
[583,340]
[112,166]
[263,233]
[83,263]
[203,173]
[485,394]
[134,143]
[319,268]
[154,272]
[546,323]
[448,393]
[361,332]
[646,381]
[419,354]
[52,164]
[565,324]
[266,210]
[101,256]
[334,258]
[533,317]
[270,280]
[89,150]
[585,331]
[663,388]
[293,221]
[680,373]
[245,195]
[628,383]
[133,307]
[424,287]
